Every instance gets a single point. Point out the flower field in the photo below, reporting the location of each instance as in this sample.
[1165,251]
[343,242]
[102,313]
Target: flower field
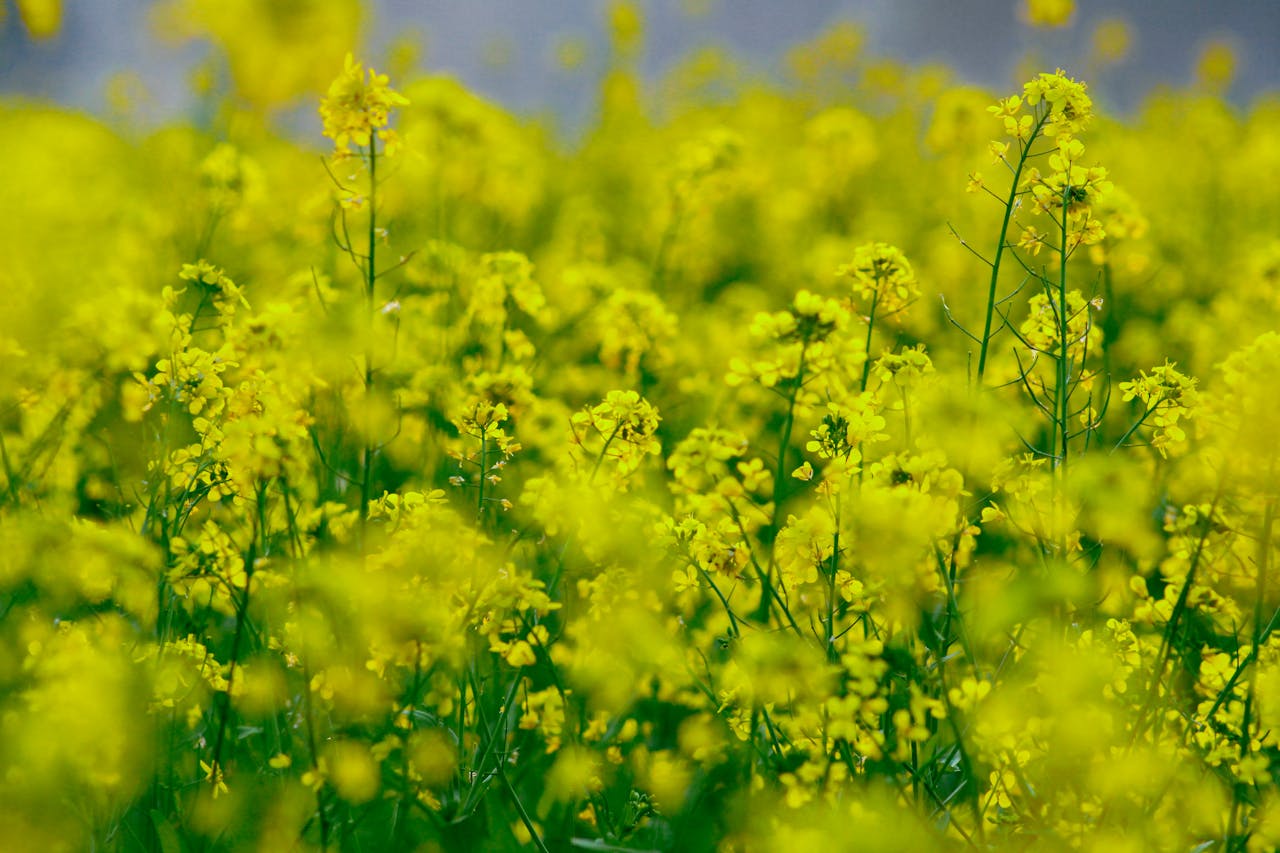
[856,461]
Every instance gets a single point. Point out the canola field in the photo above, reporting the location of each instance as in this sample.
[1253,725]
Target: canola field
[855,461]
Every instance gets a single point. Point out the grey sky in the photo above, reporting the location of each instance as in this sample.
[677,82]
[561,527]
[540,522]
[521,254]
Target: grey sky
[981,39]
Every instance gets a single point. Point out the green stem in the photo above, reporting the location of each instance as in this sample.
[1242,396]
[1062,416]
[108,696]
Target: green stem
[1000,246]
[242,612]
[1064,341]
[762,612]
[953,615]
[1264,551]
[498,729]
[831,590]
[595,469]
[871,324]
[787,425]
[724,602]
[520,810]
[1062,391]
[1179,607]
[1129,432]
[484,446]
[906,417]
[11,483]
[371,279]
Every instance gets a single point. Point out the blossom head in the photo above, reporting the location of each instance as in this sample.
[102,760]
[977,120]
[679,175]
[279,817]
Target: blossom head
[881,274]
[356,107]
[1068,103]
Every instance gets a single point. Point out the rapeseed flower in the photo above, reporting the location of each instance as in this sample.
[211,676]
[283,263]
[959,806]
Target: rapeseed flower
[358,107]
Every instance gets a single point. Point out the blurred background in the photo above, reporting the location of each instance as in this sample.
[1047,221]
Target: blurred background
[547,58]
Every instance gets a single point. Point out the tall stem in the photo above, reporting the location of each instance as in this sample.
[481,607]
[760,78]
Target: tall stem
[1064,343]
[1251,697]
[766,580]
[371,279]
[1062,390]
[787,426]
[871,325]
[484,448]
[1000,246]
[830,638]
[257,548]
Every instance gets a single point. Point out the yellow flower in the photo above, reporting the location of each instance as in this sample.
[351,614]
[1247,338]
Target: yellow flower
[520,654]
[355,108]
[1112,40]
[881,274]
[43,18]
[1031,241]
[213,775]
[1007,107]
[1049,13]
[1069,105]
[1216,66]
[626,424]
[685,579]
[970,692]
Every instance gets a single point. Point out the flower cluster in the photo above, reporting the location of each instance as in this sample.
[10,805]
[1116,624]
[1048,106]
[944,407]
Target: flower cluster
[622,429]
[1167,397]
[358,106]
[881,277]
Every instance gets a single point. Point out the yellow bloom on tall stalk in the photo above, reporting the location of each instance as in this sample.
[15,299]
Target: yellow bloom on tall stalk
[1067,101]
[625,427]
[356,107]
[881,274]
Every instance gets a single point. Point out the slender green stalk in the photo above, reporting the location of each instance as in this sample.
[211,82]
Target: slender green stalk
[370,283]
[520,810]
[1000,246]
[906,417]
[785,441]
[1062,394]
[595,469]
[484,447]
[496,730]
[780,474]
[1131,430]
[871,325]
[829,640]
[257,547]
[724,602]
[761,613]
[11,483]
[1175,616]
[1061,391]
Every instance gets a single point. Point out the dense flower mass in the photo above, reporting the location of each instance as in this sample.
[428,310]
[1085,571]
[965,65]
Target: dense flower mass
[729,479]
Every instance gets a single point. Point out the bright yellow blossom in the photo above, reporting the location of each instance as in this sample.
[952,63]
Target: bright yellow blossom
[357,106]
